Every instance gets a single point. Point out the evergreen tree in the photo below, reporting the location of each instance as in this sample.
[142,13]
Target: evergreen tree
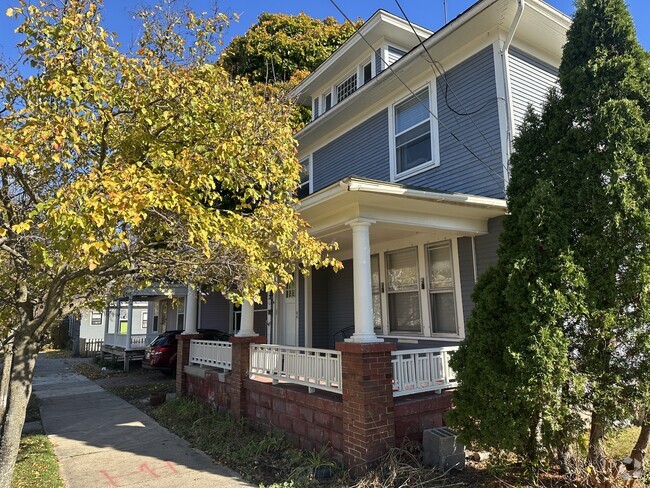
[563,320]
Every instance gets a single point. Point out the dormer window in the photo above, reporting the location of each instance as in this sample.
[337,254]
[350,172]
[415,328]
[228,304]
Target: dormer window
[315,108]
[346,88]
[366,70]
[328,101]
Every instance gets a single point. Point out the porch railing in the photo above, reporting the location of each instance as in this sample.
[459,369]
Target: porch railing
[138,341]
[314,368]
[420,370]
[217,354]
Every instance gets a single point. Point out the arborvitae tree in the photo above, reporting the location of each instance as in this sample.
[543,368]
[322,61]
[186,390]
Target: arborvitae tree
[571,289]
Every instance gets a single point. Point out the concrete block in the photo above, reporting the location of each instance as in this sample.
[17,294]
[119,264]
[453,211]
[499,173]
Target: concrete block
[442,450]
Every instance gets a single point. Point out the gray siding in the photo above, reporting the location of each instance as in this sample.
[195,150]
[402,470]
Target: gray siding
[487,245]
[362,151]
[332,304]
[215,312]
[530,81]
[319,300]
[466,260]
[472,87]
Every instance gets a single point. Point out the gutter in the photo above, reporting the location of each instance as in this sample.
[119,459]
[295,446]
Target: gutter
[390,189]
[510,119]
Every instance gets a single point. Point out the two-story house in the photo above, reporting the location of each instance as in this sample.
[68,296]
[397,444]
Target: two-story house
[406,168]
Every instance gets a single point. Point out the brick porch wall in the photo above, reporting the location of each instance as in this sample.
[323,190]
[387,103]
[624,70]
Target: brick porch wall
[310,420]
[359,425]
[417,413]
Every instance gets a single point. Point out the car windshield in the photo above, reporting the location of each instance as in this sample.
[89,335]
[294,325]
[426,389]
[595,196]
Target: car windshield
[160,341]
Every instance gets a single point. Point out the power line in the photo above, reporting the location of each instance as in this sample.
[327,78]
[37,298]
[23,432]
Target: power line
[426,106]
[442,73]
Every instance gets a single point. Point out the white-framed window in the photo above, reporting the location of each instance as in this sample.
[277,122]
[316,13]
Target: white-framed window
[414,139]
[403,290]
[96,318]
[376,293]
[416,289]
[180,314]
[315,110]
[365,72]
[442,299]
[305,187]
[327,100]
[346,88]
[144,318]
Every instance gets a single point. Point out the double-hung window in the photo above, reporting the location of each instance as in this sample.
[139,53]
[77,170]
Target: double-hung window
[376,292]
[441,289]
[403,291]
[413,144]
[305,178]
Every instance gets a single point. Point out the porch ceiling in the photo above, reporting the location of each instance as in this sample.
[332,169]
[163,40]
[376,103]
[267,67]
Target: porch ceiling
[395,211]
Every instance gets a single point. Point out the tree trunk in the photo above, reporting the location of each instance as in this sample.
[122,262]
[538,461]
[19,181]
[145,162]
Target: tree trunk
[641,446]
[4,383]
[596,453]
[20,389]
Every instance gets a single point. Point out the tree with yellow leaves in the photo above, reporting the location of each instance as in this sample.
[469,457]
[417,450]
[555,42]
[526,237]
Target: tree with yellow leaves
[119,169]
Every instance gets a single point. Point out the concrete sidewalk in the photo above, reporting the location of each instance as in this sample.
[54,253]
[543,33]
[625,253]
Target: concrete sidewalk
[103,441]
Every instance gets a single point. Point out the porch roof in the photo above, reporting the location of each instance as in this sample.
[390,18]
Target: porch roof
[396,211]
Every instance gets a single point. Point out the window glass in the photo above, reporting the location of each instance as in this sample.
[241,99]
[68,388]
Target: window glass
[376,292]
[96,318]
[346,88]
[303,188]
[144,319]
[180,316]
[413,132]
[367,73]
[315,109]
[442,302]
[328,101]
[403,291]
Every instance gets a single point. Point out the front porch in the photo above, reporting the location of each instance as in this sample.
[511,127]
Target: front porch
[356,400]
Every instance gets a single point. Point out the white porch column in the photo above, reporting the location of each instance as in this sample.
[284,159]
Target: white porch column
[190,311]
[364,330]
[247,325]
[129,323]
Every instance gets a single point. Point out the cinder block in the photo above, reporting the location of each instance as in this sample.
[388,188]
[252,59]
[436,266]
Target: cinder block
[442,450]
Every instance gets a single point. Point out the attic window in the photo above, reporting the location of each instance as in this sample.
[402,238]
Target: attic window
[346,88]
[367,72]
[315,108]
[394,54]
[328,101]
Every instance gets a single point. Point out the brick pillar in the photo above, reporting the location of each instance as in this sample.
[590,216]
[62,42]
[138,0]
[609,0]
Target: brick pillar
[241,358]
[182,360]
[368,410]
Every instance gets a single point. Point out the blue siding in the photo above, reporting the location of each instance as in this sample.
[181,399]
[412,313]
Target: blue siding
[530,82]
[319,300]
[472,87]
[487,245]
[466,260]
[215,313]
[362,151]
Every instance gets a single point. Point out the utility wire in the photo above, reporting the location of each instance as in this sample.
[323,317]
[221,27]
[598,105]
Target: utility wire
[426,106]
[442,73]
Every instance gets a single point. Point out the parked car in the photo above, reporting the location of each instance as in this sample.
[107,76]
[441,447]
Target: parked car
[161,353]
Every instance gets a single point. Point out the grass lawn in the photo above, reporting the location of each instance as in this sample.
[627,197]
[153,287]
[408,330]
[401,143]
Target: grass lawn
[36,466]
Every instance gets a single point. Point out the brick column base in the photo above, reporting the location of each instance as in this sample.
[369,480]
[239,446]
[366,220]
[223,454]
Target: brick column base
[241,358]
[182,360]
[368,410]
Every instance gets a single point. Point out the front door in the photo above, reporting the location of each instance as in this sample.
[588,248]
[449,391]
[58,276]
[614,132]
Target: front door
[288,323]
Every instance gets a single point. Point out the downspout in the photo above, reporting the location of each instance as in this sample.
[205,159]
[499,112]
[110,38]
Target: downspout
[510,119]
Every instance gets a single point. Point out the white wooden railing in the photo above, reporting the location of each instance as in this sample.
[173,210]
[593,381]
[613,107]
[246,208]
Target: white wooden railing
[217,354]
[419,370]
[314,368]
[138,341]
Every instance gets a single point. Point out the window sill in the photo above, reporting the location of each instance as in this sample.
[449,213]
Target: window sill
[416,171]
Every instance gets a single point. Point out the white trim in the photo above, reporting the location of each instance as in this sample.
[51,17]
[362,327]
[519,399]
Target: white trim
[474,259]
[460,316]
[308,310]
[503,107]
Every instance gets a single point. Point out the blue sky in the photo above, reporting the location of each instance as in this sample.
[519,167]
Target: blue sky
[428,13]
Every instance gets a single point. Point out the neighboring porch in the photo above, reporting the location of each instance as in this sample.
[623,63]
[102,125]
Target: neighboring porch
[132,322]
